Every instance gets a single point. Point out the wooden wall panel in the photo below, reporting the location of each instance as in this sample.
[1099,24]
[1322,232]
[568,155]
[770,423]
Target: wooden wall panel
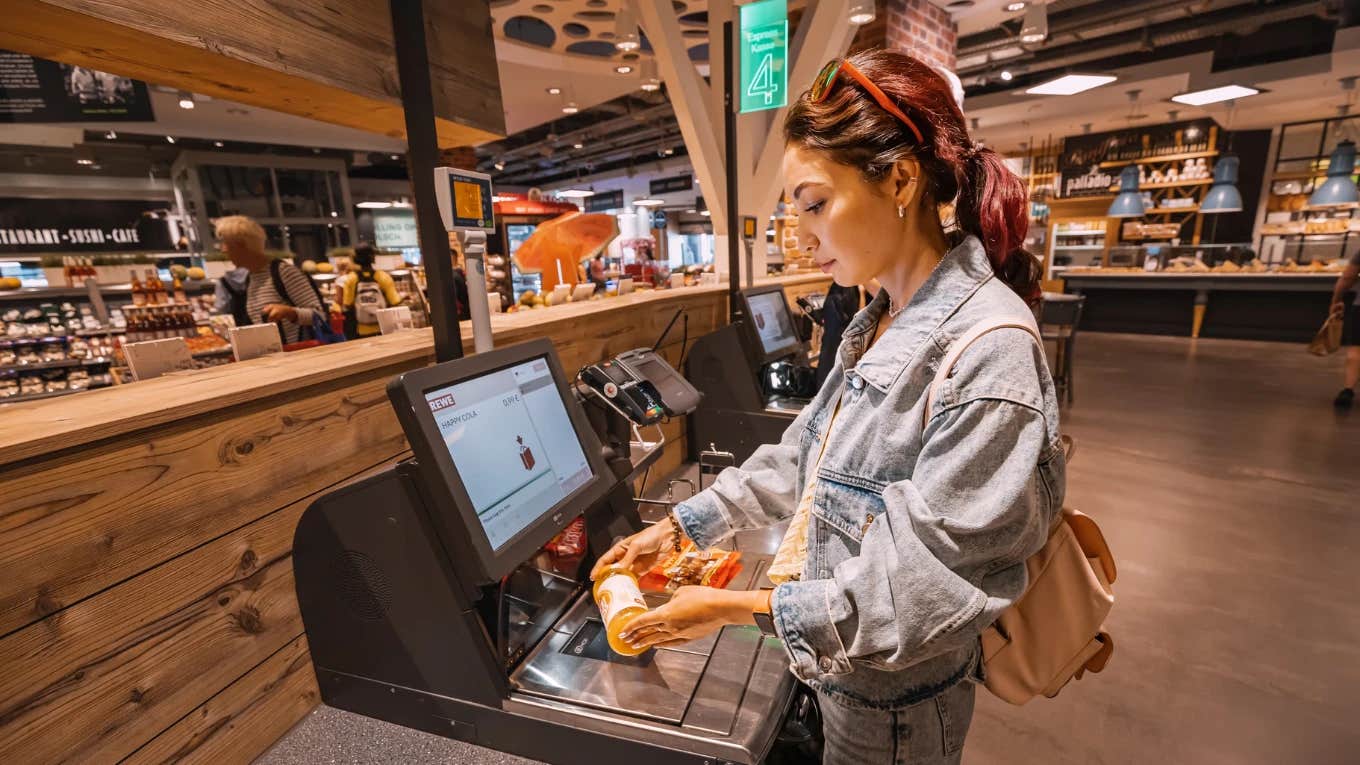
[101,678]
[78,524]
[245,719]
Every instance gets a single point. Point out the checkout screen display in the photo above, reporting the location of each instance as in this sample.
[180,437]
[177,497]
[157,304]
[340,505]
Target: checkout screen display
[770,314]
[513,445]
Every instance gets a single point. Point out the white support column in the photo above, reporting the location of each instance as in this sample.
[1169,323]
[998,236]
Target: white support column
[689,96]
[824,33]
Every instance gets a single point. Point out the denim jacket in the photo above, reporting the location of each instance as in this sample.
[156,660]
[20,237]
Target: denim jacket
[917,539]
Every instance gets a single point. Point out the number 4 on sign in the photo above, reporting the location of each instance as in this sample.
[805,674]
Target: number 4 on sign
[762,82]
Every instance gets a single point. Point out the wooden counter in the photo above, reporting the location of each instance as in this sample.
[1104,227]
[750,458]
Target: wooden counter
[147,608]
[1286,307]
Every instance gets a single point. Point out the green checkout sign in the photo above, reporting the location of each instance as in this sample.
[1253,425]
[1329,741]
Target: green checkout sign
[764,54]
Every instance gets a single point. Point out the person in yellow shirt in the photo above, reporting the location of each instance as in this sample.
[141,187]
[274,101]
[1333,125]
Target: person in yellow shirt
[367,290]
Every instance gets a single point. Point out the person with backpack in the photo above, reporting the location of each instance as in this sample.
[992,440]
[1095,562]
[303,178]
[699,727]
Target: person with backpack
[275,290]
[929,468]
[366,291]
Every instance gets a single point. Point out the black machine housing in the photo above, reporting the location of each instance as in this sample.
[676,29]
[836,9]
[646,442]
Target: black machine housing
[413,618]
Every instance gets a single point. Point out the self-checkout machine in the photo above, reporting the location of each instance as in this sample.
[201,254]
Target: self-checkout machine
[448,594]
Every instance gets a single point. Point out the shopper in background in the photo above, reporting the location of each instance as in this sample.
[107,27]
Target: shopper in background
[276,291]
[596,272]
[910,530]
[841,305]
[367,290]
[1351,334]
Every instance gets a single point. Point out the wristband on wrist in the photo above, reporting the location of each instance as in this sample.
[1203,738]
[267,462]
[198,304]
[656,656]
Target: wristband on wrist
[676,533]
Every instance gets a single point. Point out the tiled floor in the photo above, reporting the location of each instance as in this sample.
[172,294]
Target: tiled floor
[1230,493]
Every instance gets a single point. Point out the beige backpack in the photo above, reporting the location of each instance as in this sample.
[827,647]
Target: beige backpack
[1055,631]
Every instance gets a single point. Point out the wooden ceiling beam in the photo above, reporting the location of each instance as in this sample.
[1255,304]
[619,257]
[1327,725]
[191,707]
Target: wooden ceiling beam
[332,61]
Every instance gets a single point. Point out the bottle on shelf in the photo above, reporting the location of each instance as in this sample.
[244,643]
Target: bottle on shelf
[138,289]
[616,593]
[155,289]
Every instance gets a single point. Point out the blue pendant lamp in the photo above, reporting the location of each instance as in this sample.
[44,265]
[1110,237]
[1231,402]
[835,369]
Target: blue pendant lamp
[1223,197]
[1128,203]
[1338,190]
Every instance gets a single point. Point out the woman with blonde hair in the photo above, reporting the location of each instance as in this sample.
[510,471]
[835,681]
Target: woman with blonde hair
[275,291]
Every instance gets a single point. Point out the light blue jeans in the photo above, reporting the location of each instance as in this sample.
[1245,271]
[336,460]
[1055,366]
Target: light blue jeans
[930,732]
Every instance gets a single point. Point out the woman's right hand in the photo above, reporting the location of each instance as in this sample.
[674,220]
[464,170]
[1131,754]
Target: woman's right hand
[639,552]
[1338,309]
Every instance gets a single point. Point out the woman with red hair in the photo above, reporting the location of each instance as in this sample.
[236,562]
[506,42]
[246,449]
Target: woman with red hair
[929,467]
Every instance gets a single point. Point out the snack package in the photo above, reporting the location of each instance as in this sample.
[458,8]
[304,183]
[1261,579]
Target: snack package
[710,568]
[570,541]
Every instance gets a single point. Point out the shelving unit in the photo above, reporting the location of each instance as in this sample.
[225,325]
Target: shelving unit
[1180,157]
[49,394]
[1079,234]
[1303,152]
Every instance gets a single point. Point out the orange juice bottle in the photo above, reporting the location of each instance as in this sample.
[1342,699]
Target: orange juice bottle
[617,594]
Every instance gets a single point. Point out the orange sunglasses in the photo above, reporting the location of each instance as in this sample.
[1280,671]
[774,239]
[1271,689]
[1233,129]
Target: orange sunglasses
[826,81]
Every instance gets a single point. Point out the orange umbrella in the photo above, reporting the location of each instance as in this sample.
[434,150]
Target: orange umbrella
[562,244]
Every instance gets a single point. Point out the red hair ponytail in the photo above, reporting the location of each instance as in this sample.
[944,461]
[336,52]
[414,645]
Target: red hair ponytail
[993,206]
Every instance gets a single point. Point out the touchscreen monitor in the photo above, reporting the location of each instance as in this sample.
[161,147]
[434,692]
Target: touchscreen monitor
[513,445]
[772,324]
[505,456]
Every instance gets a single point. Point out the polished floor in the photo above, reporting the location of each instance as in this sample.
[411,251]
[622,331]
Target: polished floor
[1229,490]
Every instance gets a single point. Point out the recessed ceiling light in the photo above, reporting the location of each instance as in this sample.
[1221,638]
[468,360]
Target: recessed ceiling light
[499,165]
[554,91]
[1070,84]
[394,157]
[861,13]
[1214,95]
[1015,7]
[374,205]
[218,144]
[1034,29]
[576,193]
[623,69]
[169,139]
[111,135]
[705,213]
[578,145]
[626,31]
[1006,75]
[186,100]
[648,202]
[570,107]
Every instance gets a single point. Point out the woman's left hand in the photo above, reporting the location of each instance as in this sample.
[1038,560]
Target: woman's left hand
[692,613]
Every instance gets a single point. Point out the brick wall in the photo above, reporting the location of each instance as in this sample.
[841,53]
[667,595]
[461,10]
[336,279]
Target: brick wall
[918,27]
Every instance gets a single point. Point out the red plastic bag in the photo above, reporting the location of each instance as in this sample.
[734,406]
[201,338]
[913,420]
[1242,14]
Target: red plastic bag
[691,566]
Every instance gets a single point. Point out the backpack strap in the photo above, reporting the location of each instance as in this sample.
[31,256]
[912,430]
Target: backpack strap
[275,274]
[956,349]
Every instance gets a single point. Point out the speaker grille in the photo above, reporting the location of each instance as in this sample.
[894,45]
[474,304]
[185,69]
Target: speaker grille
[362,585]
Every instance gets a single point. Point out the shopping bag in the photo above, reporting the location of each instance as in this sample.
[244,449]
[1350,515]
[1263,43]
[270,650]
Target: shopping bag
[1328,339]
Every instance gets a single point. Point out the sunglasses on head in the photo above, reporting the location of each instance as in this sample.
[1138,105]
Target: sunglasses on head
[830,74]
